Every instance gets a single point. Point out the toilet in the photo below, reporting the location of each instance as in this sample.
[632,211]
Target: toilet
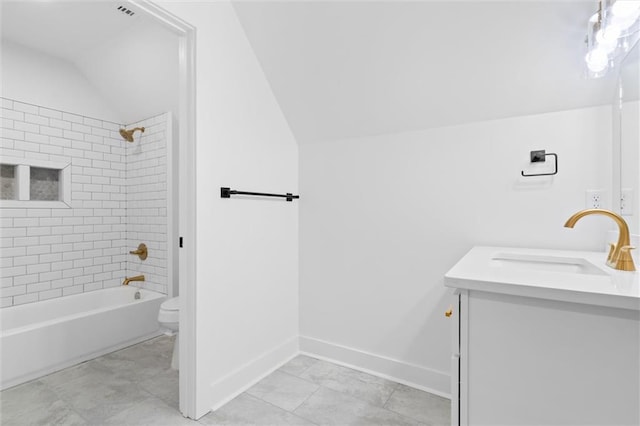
[169,317]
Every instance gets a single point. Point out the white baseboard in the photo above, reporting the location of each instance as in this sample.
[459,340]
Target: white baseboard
[429,380]
[250,373]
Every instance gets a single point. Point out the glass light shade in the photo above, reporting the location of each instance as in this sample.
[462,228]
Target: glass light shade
[623,22]
[597,60]
[607,41]
[593,28]
[626,8]
[610,33]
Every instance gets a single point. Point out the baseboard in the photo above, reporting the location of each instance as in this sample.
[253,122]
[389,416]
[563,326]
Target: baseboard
[250,373]
[429,380]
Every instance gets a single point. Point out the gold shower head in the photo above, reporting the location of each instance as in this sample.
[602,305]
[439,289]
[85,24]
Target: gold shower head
[128,134]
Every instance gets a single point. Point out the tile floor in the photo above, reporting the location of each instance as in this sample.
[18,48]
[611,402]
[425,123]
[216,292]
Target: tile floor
[135,386]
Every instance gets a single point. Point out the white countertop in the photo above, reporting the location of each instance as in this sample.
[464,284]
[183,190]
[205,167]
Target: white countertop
[478,270]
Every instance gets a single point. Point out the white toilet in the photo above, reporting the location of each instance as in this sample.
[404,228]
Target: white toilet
[169,317]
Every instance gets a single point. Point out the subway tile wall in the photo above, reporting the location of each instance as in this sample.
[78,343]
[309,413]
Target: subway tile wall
[146,189]
[53,252]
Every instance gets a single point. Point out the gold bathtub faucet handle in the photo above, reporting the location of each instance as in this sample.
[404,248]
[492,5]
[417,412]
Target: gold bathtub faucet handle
[141,252]
[136,278]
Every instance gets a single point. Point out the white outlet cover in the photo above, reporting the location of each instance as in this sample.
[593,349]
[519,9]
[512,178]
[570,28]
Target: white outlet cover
[595,199]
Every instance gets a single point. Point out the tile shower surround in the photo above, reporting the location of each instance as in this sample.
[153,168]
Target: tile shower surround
[146,195]
[118,197]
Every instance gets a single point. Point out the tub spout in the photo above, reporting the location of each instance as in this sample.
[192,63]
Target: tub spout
[136,278]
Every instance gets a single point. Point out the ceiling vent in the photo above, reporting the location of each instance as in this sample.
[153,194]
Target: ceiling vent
[126,11]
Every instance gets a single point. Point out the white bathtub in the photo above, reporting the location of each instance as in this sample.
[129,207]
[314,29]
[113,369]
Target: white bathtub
[39,338]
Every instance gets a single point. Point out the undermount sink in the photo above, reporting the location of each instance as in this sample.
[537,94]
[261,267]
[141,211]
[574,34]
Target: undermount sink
[532,262]
[561,275]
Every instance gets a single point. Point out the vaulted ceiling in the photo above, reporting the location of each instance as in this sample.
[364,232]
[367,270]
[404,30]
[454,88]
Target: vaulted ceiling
[342,69]
[130,59]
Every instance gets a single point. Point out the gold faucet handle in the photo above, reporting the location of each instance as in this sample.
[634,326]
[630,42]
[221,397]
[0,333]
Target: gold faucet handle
[626,250]
[141,252]
[625,260]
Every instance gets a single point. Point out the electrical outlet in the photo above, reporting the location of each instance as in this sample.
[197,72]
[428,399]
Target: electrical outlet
[626,202]
[594,199]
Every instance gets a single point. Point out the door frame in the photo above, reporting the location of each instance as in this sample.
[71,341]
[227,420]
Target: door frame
[186,197]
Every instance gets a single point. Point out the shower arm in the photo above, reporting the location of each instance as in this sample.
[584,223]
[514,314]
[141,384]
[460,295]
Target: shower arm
[128,134]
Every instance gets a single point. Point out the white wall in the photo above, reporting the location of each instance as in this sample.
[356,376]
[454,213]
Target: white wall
[37,78]
[247,250]
[630,160]
[383,218]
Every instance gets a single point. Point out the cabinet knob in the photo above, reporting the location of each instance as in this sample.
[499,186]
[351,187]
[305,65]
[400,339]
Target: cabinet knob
[449,311]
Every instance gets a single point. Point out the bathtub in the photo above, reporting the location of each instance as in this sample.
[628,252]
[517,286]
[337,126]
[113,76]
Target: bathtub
[39,338]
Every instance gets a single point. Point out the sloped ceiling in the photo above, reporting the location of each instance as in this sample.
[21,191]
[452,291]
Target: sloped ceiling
[65,29]
[130,60]
[348,69]
[136,71]
[343,69]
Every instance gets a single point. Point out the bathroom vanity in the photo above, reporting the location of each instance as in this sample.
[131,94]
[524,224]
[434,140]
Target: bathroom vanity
[544,337]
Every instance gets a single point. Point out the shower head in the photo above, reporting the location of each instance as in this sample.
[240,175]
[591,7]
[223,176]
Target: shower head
[128,134]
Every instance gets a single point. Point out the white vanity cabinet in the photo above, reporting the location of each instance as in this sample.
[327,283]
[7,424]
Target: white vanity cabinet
[528,353]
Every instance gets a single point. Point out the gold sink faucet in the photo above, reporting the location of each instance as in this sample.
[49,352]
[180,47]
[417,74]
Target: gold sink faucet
[136,278]
[619,253]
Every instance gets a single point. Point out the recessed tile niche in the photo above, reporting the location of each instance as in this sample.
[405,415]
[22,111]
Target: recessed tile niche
[8,182]
[34,183]
[44,184]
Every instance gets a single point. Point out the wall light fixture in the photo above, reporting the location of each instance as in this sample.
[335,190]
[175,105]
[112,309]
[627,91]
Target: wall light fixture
[611,33]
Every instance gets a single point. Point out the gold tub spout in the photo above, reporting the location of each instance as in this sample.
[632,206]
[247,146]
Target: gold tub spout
[620,253]
[136,278]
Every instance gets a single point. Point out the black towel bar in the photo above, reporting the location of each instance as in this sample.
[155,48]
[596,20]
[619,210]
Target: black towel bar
[228,192]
